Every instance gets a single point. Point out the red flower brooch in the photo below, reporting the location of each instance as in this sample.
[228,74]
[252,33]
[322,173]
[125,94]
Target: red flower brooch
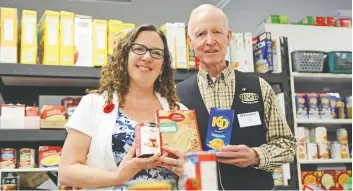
[109,108]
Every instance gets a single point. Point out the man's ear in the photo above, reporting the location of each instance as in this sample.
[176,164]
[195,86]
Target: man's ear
[229,37]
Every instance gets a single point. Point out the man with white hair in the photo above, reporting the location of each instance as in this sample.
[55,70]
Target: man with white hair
[261,140]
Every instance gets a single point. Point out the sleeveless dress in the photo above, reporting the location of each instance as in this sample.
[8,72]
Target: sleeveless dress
[122,139]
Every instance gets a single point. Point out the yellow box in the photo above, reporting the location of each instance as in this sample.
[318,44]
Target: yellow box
[99,42]
[49,38]
[9,35]
[66,39]
[28,37]
[116,30]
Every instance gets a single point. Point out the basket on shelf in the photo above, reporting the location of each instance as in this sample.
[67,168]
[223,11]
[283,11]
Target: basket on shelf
[338,62]
[308,61]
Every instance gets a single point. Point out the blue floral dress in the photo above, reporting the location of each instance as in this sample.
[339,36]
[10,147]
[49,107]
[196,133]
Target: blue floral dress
[123,137]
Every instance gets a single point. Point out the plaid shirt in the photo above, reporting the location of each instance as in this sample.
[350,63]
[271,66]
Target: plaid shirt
[281,144]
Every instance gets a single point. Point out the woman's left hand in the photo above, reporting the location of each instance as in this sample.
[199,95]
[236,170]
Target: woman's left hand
[175,165]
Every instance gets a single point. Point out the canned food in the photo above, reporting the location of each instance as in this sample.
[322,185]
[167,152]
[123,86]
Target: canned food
[26,158]
[344,151]
[321,135]
[200,171]
[8,158]
[302,151]
[342,136]
[323,151]
[335,150]
[148,139]
[312,151]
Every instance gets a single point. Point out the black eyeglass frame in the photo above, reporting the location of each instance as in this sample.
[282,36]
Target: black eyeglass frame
[147,49]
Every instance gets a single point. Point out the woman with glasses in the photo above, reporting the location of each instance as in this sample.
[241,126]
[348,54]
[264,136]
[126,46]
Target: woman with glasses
[99,151]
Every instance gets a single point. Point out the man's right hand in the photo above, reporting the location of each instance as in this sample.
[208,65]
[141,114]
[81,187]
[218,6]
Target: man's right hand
[131,165]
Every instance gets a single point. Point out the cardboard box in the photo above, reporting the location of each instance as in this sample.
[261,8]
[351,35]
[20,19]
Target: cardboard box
[262,45]
[237,50]
[83,40]
[49,156]
[28,37]
[116,30]
[169,31]
[99,42]
[180,51]
[66,39]
[9,35]
[179,130]
[49,38]
[248,54]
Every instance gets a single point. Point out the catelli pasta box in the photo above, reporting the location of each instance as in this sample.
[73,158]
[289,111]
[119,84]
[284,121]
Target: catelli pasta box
[179,130]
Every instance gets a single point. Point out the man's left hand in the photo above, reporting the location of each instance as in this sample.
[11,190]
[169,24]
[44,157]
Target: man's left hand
[237,155]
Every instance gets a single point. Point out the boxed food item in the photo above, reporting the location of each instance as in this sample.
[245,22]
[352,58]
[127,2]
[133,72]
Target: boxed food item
[342,108]
[151,185]
[219,131]
[334,108]
[321,135]
[278,19]
[66,38]
[169,29]
[148,139]
[302,154]
[83,40]
[312,151]
[326,179]
[323,151]
[309,177]
[10,182]
[237,50]
[341,177]
[32,111]
[249,55]
[52,117]
[344,23]
[308,20]
[28,37]
[277,176]
[320,21]
[9,35]
[180,51]
[330,21]
[301,106]
[116,30]
[179,129]
[262,45]
[313,106]
[190,53]
[49,38]
[276,55]
[99,42]
[49,156]
[325,106]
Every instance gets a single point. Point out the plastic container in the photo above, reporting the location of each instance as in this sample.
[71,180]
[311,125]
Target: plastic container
[308,61]
[338,62]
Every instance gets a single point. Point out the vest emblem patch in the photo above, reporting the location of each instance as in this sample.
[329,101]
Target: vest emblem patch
[249,98]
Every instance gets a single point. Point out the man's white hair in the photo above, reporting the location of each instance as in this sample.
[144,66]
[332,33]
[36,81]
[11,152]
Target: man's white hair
[206,8]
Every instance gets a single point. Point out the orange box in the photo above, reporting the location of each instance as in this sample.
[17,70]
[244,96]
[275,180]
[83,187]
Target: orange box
[32,111]
[179,130]
[53,112]
[326,179]
[309,177]
[341,177]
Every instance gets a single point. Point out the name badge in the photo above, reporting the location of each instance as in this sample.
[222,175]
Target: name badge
[249,119]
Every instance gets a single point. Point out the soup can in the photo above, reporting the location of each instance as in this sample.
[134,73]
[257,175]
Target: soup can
[8,158]
[148,139]
[26,158]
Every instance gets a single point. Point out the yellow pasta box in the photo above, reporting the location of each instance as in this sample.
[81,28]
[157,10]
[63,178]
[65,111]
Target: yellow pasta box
[66,52]
[99,42]
[9,35]
[179,130]
[49,38]
[28,37]
[116,30]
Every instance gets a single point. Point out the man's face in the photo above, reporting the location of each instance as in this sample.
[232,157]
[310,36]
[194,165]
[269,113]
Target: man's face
[209,37]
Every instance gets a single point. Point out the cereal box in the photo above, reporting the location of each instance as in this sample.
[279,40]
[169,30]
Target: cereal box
[8,35]
[116,30]
[66,38]
[99,42]
[325,106]
[219,128]
[179,129]
[83,40]
[313,106]
[262,45]
[49,38]
[301,103]
[28,37]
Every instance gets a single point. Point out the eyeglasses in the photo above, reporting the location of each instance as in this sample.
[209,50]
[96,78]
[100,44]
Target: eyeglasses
[140,49]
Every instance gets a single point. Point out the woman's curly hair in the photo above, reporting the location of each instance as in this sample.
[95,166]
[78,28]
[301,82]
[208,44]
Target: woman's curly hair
[115,77]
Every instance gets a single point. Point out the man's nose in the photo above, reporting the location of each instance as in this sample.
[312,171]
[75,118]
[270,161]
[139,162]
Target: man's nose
[210,39]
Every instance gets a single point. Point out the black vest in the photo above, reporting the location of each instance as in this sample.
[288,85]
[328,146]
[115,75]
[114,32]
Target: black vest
[232,177]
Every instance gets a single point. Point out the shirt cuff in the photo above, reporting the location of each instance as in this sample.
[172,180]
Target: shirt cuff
[263,162]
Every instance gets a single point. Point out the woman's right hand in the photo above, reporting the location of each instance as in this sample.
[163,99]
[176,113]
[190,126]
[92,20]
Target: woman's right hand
[131,165]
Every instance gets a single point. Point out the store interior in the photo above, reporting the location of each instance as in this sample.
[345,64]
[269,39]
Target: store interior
[307,61]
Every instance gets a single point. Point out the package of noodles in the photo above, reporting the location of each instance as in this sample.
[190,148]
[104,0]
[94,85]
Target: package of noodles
[179,130]
[150,185]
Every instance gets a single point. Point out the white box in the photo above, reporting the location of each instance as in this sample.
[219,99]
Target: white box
[83,40]
[248,53]
[169,31]
[180,52]
[237,51]
[12,122]
[276,55]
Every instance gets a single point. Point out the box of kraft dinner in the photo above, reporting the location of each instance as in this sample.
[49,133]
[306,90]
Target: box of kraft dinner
[263,58]
[219,129]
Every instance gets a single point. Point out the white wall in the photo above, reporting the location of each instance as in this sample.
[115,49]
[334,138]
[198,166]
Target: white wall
[244,15]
